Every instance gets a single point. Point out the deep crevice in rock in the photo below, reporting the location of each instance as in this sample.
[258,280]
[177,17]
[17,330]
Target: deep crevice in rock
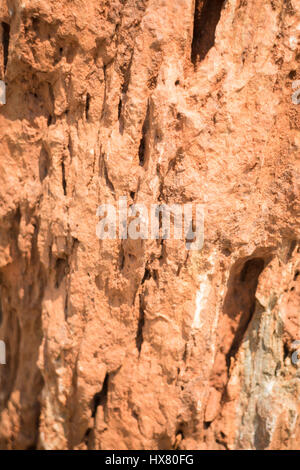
[139,336]
[100,398]
[60,271]
[120,108]
[5,42]
[243,299]
[143,142]
[44,164]
[147,275]
[64,182]
[206,18]
[126,75]
[122,258]
[107,180]
[66,306]
[262,433]
[87,106]
[142,150]
[206,424]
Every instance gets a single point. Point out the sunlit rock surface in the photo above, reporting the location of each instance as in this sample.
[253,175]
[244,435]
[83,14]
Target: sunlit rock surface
[143,344]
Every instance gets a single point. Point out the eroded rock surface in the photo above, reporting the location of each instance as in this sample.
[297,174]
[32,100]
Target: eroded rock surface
[142,344]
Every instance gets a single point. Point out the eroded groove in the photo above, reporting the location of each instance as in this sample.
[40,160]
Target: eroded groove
[13,342]
[87,106]
[147,275]
[5,43]
[142,151]
[66,306]
[60,271]
[120,108]
[108,181]
[143,142]
[64,182]
[125,71]
[244,300]
[262,434]
[44,164]
[139,336]
[120,116]
[100,398]
[292,246]
[122,258]
[126,75]
[206,18]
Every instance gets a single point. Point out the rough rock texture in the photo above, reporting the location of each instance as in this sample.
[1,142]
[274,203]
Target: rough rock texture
[142,344]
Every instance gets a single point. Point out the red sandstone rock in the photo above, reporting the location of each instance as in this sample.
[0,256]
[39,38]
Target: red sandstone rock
[143,344]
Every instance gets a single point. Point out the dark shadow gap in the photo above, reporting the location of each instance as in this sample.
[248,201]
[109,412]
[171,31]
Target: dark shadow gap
[87,106]
[120,108]
[121,258]
[245,301]
[206,18]
[60,271]
[147,275]
[100,398]
[44,164]
[139,336]
[64,182]
[107,180]
[143,142]
[5,42]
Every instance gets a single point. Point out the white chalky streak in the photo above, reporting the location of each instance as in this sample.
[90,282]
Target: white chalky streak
[201,298]
[293,42]
[2,92]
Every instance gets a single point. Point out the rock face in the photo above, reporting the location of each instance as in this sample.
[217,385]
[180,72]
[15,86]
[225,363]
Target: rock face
[143,344]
